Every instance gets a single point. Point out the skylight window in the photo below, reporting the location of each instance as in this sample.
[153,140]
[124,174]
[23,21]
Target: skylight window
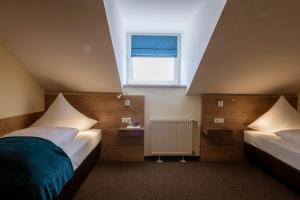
[153,60]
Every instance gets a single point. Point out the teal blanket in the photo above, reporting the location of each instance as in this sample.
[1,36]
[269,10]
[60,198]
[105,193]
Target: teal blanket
[32,168]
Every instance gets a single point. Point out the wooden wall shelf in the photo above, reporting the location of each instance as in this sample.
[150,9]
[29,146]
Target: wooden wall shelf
[217,132]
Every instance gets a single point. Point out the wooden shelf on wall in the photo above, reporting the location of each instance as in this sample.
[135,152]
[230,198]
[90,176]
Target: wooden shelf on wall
[216,132]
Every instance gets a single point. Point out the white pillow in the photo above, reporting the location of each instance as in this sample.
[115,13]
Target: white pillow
[62,114]
[282,116]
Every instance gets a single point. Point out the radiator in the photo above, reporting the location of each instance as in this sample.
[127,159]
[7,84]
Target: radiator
[172,137]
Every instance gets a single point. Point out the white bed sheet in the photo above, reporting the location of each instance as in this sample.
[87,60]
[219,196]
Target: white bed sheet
[80,147]
[274,145]
[77,145]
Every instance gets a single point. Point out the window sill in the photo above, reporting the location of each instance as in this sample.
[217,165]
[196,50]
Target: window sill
[154,86]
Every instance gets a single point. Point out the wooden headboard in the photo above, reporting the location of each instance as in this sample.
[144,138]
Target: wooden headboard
[104,107]
[108,110]
[11,124]
[238,112]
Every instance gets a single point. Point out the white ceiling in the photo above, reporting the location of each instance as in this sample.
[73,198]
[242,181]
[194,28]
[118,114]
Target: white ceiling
[157,15]
[65,44]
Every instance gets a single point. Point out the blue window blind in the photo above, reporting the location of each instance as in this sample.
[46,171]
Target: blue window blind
[153,46]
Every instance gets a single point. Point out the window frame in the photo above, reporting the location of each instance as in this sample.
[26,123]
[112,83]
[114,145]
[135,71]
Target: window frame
[129,62]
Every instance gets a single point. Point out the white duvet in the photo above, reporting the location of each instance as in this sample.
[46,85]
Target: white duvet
[280,144]
[291,136]
[60,136]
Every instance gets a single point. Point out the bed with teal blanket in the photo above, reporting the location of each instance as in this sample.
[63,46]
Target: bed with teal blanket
[32,168]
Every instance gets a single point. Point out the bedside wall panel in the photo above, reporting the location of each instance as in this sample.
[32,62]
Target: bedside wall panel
[238,112]
[11,124]
[108,110]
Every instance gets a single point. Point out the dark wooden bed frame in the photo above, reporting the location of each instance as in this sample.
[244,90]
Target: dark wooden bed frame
[80,174]
[284,172]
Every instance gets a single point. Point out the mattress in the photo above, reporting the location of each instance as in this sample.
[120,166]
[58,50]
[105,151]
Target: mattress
[77,145]
[277,146]
[80,147]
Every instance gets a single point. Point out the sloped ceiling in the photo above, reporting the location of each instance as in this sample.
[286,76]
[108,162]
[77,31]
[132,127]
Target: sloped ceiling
[255,49]
[65,44]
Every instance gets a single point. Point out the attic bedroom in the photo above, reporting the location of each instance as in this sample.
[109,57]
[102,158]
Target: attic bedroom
[149,99]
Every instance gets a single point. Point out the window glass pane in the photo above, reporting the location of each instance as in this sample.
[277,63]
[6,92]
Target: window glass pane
[153,69]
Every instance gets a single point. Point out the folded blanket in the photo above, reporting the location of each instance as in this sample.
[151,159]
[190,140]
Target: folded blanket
[32,168]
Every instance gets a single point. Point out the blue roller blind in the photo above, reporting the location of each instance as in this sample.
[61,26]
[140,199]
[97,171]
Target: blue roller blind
[153,46]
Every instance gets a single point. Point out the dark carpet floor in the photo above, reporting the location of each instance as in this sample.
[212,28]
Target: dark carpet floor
[173,180]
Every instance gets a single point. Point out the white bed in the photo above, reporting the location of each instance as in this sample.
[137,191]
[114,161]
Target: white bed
[283,146]
[82,145]
[77,145]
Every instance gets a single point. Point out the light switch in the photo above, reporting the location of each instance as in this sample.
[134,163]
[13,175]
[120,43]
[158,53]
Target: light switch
[126,120]
[219,120]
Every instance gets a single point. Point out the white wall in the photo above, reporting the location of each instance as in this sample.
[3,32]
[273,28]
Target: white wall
[168,103]
[197,36]
[20,93]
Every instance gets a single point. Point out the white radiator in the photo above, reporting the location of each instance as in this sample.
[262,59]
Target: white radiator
[172,137]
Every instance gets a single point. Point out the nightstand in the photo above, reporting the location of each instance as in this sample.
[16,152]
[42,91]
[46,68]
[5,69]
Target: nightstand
[217,132]
[131,144]
[218,144]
